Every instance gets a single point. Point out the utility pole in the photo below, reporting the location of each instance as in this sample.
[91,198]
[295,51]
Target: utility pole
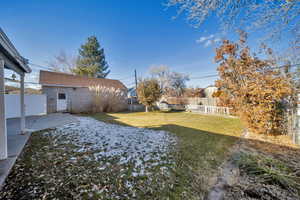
[135,81]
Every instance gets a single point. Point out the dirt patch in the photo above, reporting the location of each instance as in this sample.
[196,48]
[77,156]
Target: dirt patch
[260,167]
[228,173]
[264,177]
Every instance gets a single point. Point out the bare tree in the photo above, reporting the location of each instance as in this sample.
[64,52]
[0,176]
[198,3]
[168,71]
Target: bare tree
[63,62]
[178,83]
[169,82]
[162,75]
[274,17]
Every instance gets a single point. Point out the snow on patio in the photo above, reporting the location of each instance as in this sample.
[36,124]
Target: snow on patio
[143,147]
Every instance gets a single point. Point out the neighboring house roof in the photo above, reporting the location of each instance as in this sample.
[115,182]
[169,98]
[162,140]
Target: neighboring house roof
[131,92]
[15,90]
[8,49]
[60,79]
[175,100]
[211,86]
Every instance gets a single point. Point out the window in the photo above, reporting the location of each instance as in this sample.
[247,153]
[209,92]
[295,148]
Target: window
[61,96]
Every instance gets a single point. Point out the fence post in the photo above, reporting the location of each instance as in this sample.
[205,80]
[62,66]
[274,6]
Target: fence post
[297,131]
[3,131]
[227,110]
[296,135]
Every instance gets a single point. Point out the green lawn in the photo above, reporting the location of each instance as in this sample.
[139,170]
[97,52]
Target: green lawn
[72,162]
[204,143]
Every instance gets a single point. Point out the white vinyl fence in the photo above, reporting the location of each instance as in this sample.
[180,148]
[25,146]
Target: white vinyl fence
[216,110]
[293,122]
[34,105]
[136,107]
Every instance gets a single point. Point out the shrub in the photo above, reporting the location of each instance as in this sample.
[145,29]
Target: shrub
[149,92]
[253,87]
[108,99]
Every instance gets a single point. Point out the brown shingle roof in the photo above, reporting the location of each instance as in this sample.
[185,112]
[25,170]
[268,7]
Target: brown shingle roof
[68,80]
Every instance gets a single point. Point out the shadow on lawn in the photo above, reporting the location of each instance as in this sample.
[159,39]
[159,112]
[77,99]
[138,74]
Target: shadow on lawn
[183,131]
[197,158]
[200,153]
[191,139]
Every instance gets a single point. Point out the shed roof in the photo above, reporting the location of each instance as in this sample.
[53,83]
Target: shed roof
[60,79]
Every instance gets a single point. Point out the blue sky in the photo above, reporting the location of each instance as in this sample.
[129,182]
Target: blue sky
[135,35]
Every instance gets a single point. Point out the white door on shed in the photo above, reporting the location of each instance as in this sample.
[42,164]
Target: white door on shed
[61,102]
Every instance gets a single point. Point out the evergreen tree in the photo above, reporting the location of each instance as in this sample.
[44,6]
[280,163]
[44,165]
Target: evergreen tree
[91,61]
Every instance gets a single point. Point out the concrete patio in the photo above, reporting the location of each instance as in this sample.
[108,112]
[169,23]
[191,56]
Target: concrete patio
[16,141]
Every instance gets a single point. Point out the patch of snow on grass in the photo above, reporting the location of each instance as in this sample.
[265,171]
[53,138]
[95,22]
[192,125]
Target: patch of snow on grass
[143,147]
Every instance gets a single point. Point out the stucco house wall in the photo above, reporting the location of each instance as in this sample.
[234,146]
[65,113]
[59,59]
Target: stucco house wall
[79,100]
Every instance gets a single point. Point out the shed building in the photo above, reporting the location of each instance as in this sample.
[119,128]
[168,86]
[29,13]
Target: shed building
[72,93]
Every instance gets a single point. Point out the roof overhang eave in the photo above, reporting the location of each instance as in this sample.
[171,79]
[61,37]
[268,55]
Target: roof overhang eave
[11,52]
[66,86]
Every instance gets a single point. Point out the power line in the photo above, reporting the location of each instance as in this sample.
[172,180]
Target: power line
[29,82]
[133,83]
[40,66]
[202,77]
[35,83]
[129,77]
[130,86]
[12,80]
[48,68]
[17,81]
[115,74]
[201,72]
[199,77]
[216,75]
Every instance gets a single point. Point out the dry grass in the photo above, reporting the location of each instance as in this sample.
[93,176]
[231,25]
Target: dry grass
[282,140]
[204,143]
[270,171]
[266,176]
[108,99]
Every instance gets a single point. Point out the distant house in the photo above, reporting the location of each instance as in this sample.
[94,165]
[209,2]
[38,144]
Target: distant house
[71,93]
[209,90]
[131,93]
[132,96]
